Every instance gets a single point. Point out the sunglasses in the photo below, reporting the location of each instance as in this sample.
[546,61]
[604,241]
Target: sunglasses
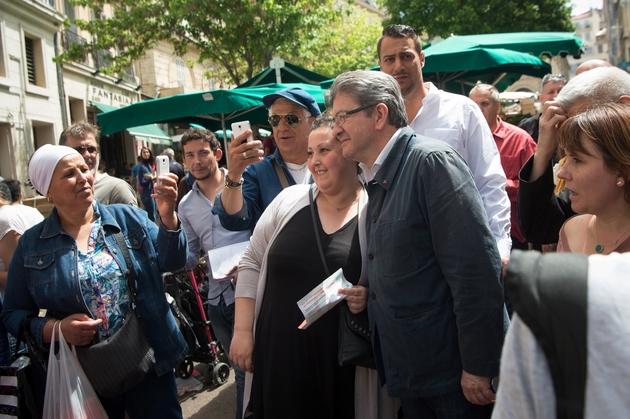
[91,149]
[291,119]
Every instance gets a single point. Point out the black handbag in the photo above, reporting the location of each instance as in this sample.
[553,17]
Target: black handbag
[122,361]
[355,346]
[24,379]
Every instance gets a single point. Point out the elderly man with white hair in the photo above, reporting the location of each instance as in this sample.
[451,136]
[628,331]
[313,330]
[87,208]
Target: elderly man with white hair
[541,212]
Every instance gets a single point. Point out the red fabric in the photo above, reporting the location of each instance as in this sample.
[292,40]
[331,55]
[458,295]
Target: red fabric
[515,146]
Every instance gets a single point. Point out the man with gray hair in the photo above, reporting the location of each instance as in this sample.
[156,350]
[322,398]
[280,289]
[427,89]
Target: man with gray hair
[541,212]
[250,187]
[84,138]
[549,89]
[515,147]
[435,295]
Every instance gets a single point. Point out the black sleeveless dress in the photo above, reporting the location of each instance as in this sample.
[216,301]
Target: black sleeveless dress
[296,372]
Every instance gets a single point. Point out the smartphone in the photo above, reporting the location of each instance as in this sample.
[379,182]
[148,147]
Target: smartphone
[239,128]
[161,166]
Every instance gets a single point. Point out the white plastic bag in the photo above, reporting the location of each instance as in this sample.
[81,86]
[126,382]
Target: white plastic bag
[69,394]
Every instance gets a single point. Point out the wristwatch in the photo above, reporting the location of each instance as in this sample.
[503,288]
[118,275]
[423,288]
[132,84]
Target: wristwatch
[233,185]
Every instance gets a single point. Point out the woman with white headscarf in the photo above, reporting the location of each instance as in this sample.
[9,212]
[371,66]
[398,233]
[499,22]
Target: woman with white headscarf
[71,265]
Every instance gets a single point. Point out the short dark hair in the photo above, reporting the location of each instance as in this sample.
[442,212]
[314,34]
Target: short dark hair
[324,120]
[15,188]
[201,134]
[80,130]
[400,31]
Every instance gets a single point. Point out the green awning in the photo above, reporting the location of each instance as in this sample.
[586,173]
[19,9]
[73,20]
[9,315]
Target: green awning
[150,133]
[290,73]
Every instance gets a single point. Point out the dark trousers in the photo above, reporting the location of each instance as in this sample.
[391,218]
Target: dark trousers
[155,397]
[450,406]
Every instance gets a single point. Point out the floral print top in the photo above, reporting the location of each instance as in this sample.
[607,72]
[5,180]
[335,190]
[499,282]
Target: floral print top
[103,285]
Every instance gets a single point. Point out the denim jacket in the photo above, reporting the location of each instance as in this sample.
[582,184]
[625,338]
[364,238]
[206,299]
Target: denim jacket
[261,185]
[43,274]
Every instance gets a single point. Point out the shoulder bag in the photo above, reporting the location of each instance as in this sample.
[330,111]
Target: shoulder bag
[355,346]
[123,360]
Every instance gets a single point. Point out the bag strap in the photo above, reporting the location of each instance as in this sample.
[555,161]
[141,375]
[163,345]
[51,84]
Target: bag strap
[129,272]
[549,293]
[282,177]
[23,335]
[317,237]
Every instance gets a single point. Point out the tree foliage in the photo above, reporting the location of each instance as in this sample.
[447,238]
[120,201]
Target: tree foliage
[466,17]
[240,35]
[348,43]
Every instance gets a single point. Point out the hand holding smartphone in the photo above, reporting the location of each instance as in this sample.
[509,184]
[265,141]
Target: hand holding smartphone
[161,166]
[239,128]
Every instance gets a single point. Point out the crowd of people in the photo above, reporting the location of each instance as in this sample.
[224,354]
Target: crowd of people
[419,196]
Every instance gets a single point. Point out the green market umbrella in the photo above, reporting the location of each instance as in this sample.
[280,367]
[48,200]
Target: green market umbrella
[214,109]
[290,73]
[534,43]
[459,70]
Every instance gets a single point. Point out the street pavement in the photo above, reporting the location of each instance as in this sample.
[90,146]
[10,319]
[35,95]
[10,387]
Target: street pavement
[211,402]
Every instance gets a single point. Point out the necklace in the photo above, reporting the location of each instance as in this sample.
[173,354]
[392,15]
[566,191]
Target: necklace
[351,203]
[600,248]
[339,209]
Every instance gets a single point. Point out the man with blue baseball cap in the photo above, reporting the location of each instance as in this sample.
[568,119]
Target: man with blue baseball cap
[250,187]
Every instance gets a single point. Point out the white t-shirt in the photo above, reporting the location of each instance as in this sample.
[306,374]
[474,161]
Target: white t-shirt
[299,172]
[526,387]
[18,218]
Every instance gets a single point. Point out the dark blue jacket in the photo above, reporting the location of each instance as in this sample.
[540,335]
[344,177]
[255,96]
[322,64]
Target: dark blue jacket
[435,299]
[261,186]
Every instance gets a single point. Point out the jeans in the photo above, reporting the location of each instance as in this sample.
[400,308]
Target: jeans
[155,397]
[149,206]
[449,406]
[222,319]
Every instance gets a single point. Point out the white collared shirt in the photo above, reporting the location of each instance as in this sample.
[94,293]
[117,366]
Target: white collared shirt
[458,121]
[370,172]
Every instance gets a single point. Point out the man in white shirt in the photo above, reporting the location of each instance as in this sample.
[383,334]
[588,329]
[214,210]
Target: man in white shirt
[204,232]
[451,118]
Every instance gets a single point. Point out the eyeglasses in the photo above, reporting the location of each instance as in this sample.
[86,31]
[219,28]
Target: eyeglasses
[341,117]
[291,119]
[91,149]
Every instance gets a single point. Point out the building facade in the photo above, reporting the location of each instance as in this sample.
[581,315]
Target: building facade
[617,17]
[31,111]
[591,27]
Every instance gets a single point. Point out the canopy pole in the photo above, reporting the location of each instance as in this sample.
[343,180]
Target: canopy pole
[225,140]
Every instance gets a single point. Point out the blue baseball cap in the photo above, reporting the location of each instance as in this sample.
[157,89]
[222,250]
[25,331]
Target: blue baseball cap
[295,95]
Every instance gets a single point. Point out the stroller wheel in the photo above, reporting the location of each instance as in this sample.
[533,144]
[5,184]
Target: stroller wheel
[220,373]
[185,369]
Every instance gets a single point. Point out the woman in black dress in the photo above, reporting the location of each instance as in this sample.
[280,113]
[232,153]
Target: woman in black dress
[297,374]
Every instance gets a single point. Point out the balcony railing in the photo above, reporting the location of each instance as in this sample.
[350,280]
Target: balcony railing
[49,3]
[101,58]
[70,38]
[130,75]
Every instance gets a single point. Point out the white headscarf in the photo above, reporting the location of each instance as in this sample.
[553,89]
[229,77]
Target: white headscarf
[43,163]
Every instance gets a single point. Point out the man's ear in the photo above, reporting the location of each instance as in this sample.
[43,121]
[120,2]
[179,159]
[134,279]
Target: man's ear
[623,99]
[381,113]
[219,154]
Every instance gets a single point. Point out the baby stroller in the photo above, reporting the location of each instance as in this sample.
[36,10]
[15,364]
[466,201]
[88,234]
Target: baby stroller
[186,302]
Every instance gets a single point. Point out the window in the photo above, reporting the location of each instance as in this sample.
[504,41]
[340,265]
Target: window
[180,65]
[587,36]
[600,49]
[34,61]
